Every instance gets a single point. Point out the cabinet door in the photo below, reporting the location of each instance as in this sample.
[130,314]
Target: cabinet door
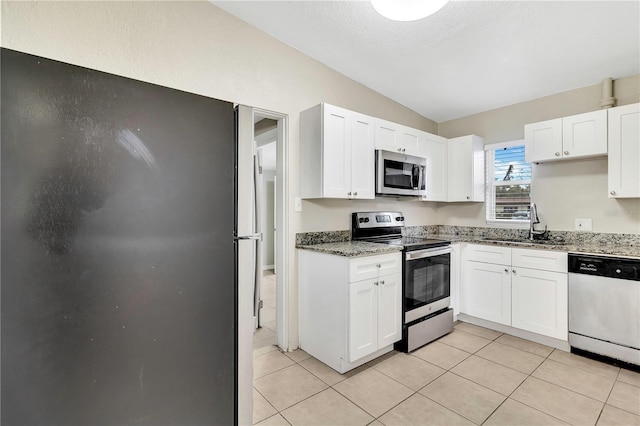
[539,302]
[584,135]
[460,170]
[624,151]
[487,291]
[409,140]
[543,141]
[396,137]
[466,169]
[435,149]
[362,157]
[336,153]
[363,318]
[389,309]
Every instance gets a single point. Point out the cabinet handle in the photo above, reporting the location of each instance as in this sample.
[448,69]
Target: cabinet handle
[378,265]
[399,149]
[468,198]
[506,270]
[375,282]
[613,193]
[557,154]
[355,194]
[566,153]
[403,150]
[514,271]
[382,282]
[348,194]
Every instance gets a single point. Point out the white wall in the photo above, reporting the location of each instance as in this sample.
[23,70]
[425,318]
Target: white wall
[197,47]
[563,191]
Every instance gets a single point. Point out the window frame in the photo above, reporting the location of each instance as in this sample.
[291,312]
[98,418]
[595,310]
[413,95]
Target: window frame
[491,184]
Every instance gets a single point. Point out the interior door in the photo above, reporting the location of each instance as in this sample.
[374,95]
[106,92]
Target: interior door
[118,296]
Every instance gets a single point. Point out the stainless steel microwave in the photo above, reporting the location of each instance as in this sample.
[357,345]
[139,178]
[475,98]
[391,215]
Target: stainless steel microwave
[400,174]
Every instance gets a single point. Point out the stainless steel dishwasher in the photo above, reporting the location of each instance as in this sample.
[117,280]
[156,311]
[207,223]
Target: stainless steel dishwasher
[604,306]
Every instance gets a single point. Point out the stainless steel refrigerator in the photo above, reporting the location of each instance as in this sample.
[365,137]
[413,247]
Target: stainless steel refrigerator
[118,294]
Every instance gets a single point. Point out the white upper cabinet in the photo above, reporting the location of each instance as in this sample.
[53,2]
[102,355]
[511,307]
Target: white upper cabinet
[396,137]
[435,149]
[577,136]
[465,169]
[336,153]
[624,151]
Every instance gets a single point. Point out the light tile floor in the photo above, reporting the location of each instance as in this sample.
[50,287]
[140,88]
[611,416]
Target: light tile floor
[471,376]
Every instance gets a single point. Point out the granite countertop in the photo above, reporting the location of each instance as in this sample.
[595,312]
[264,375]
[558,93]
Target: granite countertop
[351,248]
[611,249]
[360,248]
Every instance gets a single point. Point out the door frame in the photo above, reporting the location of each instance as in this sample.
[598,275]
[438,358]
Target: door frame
[281,221]
[245,138]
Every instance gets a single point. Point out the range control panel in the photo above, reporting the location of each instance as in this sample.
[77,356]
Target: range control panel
[377,219]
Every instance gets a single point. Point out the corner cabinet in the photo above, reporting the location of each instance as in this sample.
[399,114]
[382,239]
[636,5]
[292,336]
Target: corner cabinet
[522,288]
[577,136]
[624,151]
[350,308]
[465,169]
[336,153]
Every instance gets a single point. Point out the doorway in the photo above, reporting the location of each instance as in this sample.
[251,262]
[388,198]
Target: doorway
[250,267]
[266,152]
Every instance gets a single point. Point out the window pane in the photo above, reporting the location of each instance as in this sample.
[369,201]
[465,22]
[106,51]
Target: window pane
[512,202]
[508,183]
[509,164]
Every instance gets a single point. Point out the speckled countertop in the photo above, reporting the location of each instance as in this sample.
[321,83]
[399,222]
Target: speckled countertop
[338,242]
[602,248]
[351,248]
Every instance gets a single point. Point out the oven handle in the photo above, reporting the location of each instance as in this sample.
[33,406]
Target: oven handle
[421,254]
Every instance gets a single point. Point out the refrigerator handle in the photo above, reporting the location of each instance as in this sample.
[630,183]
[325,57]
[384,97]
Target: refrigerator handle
[257,236]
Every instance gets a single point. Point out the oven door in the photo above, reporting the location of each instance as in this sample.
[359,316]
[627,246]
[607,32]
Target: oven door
[427,285]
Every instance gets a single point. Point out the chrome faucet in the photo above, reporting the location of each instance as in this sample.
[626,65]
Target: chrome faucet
[533,221]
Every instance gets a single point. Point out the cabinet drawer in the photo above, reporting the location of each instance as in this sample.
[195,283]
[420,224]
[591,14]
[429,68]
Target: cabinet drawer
[545,260]
[364,268]
[488,254]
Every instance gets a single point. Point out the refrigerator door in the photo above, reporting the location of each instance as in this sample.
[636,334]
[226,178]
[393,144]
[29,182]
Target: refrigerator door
[118,303]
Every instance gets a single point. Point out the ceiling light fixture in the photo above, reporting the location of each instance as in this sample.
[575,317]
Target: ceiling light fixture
[407,10]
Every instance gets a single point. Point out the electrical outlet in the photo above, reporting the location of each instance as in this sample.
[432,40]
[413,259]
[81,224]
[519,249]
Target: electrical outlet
[583,224]
[298,205]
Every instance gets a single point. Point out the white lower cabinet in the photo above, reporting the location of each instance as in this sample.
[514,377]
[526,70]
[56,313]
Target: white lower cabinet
[487,291]
[521,288]
[350,308]
[539,302]
[374,310]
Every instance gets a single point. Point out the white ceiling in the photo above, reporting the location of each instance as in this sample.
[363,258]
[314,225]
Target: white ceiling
[469,57]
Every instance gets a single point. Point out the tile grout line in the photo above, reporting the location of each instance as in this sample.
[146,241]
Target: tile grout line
[414,392]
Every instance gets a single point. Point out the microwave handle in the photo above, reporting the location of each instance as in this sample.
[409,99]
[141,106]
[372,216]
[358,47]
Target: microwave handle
[416,176]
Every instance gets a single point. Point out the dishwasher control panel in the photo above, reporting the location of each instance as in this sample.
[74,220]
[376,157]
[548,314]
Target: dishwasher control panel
[612,267]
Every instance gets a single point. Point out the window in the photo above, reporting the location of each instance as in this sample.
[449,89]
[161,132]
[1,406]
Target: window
[508,183]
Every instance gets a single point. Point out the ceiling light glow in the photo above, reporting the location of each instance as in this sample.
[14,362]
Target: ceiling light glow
[407,10]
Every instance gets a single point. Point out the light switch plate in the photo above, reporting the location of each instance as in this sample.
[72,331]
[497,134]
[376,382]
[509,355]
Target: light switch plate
[298,202]
[583,224]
